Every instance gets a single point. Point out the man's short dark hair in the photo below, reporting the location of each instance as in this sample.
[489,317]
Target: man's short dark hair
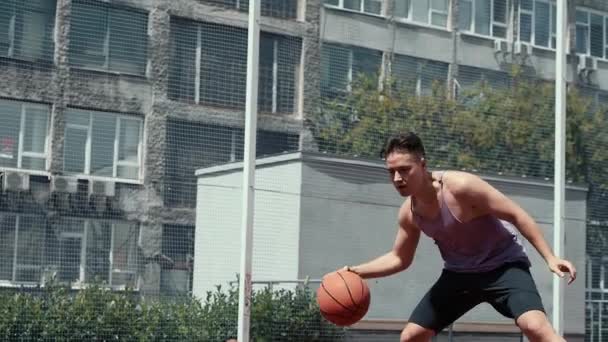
[403,142]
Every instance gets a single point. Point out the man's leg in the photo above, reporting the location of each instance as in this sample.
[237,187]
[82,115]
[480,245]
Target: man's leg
[512,292]
[537,328]
[448,299]
[415,333]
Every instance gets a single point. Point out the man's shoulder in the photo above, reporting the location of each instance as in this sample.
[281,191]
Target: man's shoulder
[459,181]
[405,212]
[457,177]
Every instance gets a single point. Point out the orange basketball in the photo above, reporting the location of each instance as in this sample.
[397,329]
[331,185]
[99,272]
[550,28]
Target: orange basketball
[343,297]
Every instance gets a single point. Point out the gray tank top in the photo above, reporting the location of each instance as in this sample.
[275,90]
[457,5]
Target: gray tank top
[482,244]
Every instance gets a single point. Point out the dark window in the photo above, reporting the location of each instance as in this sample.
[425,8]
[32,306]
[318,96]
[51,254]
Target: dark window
[26,29]
[108,38]
[223,67]
[191,146]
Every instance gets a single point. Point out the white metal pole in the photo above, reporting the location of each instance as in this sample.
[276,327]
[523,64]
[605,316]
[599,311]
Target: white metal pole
[560,156]
[251,110]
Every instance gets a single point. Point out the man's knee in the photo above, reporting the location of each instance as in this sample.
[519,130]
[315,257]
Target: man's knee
[415,333]
[535,325]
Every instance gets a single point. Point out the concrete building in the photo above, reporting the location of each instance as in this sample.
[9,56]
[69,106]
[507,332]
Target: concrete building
[107,109]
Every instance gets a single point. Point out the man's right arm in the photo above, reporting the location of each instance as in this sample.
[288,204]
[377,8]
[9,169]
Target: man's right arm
[400,257]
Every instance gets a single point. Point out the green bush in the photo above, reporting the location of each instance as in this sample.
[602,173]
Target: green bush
[98,314]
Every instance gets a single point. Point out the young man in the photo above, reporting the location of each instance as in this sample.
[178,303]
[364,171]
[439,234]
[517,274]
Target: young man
[473,224]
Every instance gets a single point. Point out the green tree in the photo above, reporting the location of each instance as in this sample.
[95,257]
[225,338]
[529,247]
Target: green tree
[490,129]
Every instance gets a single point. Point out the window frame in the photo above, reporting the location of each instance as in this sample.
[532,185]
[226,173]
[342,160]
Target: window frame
[241,6]
[604,16]
[16,265]
[12,36]
[532,22]
[115,148]
[419,80]
[493,23]
[351,52]
[23,106]
[361,9]
[588,26]
[275,38]
[553,34]
[552,21]
[429,19]
[106,51]
[82,266]
[349,74]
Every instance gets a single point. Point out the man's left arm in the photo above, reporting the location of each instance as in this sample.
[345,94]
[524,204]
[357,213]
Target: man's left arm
[487,199]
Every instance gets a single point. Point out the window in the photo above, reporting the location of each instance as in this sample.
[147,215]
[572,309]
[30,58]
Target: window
[23,135]
[123,251]
[178,246]
[432,12]
[472,78]
[341,65]
[191,146]
[279,60]
[271,8]
[209,66]
[26,29]
[537,23]
[21,247]
[591,31]
[365,6]
[108,38]
[606,38]
[102,144]
[582,32]
[418,74]
[597,273]
[488,18]
[72,250]
[81,251]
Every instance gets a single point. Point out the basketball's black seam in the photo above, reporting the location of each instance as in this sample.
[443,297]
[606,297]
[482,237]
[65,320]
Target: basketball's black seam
[362,287]
[337,301]
[349,293]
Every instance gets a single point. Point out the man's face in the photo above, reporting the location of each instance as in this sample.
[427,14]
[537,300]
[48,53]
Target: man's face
[407,172]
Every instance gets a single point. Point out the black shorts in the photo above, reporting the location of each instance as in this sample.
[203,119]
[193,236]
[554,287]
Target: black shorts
[510,289]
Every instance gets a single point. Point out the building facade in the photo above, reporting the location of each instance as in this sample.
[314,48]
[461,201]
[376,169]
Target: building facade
[107,109]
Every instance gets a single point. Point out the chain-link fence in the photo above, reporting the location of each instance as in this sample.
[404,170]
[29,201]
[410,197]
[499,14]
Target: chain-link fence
[122,133]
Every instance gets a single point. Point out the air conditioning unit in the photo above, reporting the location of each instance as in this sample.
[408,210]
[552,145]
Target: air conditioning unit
[64,184]
[522,48]
[104,188]
[15,181]
[501,45]
[587,63]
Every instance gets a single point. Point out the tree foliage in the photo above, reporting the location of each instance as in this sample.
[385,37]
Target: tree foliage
[507,130]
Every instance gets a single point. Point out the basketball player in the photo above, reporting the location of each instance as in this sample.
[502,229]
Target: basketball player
[474,225]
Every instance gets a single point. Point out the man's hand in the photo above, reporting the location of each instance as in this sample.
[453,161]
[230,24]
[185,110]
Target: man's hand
[561,266]
[348,269]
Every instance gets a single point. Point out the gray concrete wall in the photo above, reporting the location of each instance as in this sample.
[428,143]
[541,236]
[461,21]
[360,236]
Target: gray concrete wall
[275,243]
